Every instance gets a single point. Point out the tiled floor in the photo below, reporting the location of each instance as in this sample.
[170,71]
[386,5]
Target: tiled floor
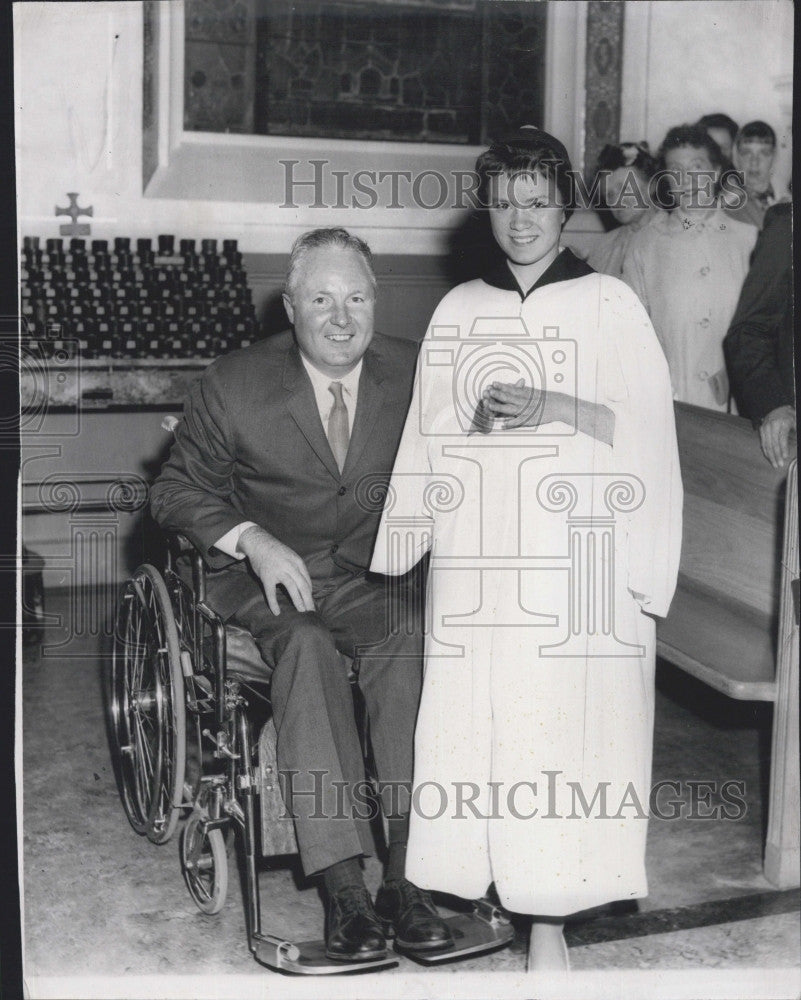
[107,906]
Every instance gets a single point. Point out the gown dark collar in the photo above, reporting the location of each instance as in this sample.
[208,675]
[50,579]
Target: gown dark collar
[566,266]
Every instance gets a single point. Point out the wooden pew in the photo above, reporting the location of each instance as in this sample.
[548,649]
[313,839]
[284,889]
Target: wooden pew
[734,581]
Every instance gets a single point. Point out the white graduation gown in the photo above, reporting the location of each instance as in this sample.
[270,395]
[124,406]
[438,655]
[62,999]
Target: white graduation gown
[533,741]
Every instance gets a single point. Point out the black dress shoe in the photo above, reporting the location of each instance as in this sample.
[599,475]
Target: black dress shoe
[409,913]
[354,931]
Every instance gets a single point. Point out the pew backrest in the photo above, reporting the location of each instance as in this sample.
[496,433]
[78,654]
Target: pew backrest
[722,624]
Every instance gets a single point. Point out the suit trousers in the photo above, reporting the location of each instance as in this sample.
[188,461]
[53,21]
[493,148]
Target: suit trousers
[379,623]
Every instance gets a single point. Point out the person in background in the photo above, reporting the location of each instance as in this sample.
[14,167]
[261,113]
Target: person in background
[759,344]
[625,172]
[722,129]
[688,266]
[754,153]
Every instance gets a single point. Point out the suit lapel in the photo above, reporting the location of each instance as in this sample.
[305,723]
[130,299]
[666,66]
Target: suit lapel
[371,399]
[302,407]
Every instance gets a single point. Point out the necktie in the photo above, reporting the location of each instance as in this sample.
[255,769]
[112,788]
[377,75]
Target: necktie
[338,433]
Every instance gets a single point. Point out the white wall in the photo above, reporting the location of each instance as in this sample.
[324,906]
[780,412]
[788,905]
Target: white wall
[695,57]
[78,102]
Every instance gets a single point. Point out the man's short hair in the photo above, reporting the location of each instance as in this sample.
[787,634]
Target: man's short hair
[331,237]
[718,120]
[757,132]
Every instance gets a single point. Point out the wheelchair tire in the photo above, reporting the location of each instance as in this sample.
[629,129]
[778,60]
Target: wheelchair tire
[148,711]
[204,863]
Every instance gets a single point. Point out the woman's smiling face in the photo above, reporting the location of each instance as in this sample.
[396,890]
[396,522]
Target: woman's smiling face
[526,215]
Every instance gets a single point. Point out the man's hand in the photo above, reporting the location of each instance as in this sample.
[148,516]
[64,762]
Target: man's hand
[774,434]
[719,384]
[275,563]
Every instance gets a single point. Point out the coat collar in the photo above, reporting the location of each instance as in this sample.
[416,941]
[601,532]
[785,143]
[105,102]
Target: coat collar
[565,267]
[303,408]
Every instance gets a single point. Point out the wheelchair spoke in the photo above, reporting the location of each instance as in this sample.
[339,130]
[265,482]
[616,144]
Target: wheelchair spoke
[133,677]
[138,767]
[143,745]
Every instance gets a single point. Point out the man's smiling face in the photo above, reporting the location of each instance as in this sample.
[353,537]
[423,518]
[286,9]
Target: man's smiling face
[331,307]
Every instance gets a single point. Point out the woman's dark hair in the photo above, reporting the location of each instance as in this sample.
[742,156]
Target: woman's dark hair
[696,137]
[529,150]
[628,154]
[636,155]
[718,120]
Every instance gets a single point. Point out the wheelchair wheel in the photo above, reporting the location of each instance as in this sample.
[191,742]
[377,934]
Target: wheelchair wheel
[148,713]
[204,863]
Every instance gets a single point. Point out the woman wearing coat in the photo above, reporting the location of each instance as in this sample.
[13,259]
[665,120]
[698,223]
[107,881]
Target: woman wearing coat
[688,265]
[539,466]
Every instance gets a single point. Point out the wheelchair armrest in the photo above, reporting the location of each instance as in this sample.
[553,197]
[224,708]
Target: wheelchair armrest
[179,545]
[182,542]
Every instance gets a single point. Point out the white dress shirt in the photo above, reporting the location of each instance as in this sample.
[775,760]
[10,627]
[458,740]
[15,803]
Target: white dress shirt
[325,403]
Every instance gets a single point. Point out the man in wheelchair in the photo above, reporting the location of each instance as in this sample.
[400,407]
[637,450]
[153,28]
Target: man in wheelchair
[273,477]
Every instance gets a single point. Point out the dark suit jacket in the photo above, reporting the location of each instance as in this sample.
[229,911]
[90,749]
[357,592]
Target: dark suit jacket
[251,447]
[759,344]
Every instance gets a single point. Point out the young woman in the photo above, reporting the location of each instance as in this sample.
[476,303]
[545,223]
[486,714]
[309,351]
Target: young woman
[625,173]
[539,466]
[688,266]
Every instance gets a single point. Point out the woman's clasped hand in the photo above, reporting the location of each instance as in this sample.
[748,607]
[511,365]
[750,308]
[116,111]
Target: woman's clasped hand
[521,405]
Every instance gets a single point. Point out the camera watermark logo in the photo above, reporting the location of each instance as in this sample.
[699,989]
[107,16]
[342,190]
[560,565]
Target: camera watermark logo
[536,537]
[495,349]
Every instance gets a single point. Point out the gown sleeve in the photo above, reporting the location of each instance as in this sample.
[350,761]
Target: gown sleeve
[639,393]
[406,527]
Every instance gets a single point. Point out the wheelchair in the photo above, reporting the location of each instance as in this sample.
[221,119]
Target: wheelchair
[184,690]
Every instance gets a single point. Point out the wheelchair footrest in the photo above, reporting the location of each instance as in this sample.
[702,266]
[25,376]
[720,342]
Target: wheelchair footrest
[308,957]
[487,927]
